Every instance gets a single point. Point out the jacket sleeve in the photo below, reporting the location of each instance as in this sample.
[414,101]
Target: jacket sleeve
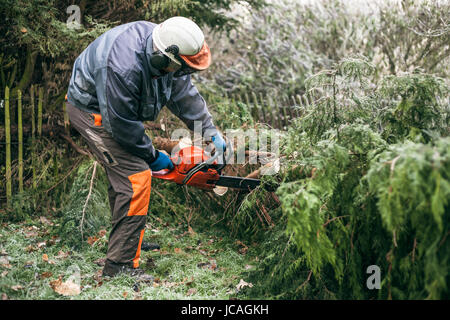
[120,108]
[188,105]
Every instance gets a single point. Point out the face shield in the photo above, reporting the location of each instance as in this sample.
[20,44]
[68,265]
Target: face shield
[176,64]
[183,70]
[182,65]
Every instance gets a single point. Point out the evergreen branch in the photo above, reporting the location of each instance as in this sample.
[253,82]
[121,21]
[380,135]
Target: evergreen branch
[65,177]
[306,281]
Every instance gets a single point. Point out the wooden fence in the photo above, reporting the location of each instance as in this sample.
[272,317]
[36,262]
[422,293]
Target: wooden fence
[15,108]
[275,111]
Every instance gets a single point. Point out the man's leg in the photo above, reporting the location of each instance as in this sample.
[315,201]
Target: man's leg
[129,191]
[111,197]
[129,215]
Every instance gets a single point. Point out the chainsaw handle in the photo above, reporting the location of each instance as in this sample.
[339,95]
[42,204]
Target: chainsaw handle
[212,159]
[230,155]
[208,162]
[161,172]
[198,167]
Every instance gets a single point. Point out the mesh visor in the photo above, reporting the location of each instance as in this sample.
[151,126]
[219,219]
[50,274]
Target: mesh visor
[184,70]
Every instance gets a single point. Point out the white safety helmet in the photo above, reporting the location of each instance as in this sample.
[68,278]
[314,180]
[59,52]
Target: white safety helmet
[188,37]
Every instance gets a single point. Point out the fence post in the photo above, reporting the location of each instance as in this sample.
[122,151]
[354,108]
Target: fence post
[249,106]
[270,111]
[272,116]
[256,107]
[306,99]
[33,139]
[285,104]
[291,109]
[263,109]
[39,124]
[8,149]
[278,107]
[300,104]
[230,104]
[233,102]
[237,100]
[20,138]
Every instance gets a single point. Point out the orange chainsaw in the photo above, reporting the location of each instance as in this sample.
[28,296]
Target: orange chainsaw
[193,167]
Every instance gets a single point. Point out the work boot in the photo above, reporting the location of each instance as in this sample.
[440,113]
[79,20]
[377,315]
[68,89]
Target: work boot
[112,269]
[149,246]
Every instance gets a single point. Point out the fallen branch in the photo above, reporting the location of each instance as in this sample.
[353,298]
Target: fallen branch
[287,245]
[168,145]
[257,173]
[265,213]
[164,144]
[65,177]
[331,220]
[306,281]
[259,216]
[75,146]
[153,125]
[88,197]
[275,197]
[393,166]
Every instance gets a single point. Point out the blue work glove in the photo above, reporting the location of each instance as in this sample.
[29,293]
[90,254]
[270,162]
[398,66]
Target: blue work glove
[162,161]
[219,143]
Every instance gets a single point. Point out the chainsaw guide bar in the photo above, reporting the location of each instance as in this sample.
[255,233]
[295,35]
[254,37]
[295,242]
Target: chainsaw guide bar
[193,167]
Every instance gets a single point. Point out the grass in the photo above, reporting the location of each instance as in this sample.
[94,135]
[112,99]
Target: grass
[206,264]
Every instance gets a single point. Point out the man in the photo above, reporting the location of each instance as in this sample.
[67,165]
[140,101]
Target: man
[122,78]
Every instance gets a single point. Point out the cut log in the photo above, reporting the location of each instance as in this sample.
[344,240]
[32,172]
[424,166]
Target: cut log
[164,144]
[268,166]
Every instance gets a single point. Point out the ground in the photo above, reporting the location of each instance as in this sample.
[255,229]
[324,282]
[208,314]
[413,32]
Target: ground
[191,264]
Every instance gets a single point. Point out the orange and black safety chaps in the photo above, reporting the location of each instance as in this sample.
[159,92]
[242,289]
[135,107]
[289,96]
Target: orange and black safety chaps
[129,187]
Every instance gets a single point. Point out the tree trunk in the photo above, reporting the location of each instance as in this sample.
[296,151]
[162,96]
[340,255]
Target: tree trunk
[8,149]
[28,71]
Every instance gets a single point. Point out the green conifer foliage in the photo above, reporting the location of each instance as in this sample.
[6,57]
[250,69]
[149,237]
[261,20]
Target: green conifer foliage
[411,182]
[366,182]
[93,200]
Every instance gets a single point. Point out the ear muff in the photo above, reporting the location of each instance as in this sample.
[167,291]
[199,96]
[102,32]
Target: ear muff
[159,61]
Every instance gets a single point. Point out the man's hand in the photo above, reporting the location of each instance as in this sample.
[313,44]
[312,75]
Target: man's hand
[219,143]
[162,161]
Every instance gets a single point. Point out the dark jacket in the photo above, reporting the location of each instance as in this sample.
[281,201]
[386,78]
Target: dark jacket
[113,76]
